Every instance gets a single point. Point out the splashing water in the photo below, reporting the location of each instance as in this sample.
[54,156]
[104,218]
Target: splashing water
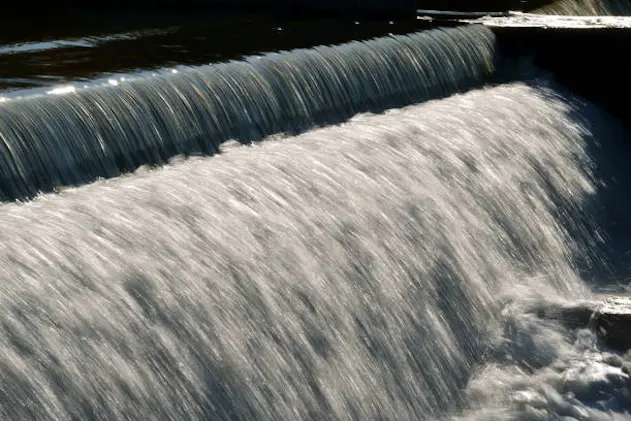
[587,8]
[58,140]
[378,270]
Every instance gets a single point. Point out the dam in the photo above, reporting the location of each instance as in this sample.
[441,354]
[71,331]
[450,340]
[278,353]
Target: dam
[249,217]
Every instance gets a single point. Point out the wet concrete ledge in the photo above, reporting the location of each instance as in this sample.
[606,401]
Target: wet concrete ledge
[589,55]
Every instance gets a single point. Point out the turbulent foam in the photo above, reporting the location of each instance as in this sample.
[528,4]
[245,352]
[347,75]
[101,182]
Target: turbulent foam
[369,271]
[58,140]
[587,8]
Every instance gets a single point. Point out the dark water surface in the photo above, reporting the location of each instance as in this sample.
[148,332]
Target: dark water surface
[84,46]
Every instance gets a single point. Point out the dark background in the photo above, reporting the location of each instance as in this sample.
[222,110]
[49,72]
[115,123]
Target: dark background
[45,11]
[592,62]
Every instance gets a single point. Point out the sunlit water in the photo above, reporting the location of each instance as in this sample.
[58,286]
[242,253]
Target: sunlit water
[383,269]
[388,267]
[71,136]
[587,7]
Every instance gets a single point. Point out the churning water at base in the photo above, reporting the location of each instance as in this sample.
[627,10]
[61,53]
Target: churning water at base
[378,270]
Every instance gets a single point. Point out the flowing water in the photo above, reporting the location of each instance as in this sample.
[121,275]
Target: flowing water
[386,268]
[587,8]
[105,130]
[43,53]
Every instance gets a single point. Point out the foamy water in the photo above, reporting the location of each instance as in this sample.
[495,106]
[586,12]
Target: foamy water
[587,7]
[384,269]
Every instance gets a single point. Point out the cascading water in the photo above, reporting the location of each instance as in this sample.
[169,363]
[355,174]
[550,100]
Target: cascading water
[378,270]
[52,141]
[387,268]
[587,8]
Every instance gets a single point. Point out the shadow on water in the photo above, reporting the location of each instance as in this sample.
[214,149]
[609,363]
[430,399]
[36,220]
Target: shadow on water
[610,147]
[79,53]
[372,9]
[578,63]
[607,264]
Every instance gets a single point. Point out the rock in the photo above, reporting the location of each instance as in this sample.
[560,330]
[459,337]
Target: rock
[612,322]
[610,319]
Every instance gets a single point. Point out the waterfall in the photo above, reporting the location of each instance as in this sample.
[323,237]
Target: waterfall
[51,141]
[381,269]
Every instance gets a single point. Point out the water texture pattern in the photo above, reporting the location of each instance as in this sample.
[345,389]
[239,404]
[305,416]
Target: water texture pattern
[587,8]
[378,270]
[52,141]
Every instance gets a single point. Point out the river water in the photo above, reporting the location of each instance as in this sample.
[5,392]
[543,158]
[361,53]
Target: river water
[389,266]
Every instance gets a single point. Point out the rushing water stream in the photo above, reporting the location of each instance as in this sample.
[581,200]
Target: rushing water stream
[385,268]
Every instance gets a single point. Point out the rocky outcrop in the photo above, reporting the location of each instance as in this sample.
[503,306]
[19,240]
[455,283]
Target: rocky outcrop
[610,319]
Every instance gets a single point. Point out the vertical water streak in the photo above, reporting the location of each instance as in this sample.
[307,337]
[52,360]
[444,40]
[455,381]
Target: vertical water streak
[355,272]
[58,140]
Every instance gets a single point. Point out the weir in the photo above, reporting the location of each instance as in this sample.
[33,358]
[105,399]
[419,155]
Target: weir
[365,272]
[570,47]
[602,77]
[104,131]
[415,227]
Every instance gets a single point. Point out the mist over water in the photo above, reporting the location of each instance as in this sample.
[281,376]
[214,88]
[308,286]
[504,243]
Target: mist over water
[383,269]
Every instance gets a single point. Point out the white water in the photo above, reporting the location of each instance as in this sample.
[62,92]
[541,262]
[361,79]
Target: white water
[379,270]
[587,8]
[79,135]
[528,20]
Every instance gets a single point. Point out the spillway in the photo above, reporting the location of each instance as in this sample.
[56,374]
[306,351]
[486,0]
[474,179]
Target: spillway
[107,130]
[365,231]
